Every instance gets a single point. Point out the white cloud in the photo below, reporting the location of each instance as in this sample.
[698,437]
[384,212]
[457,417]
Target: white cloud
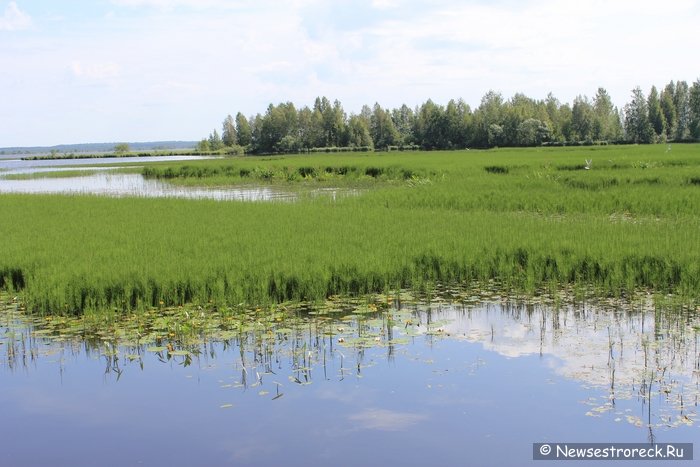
[533,47]
[386,420]
[191,62]
[385,4]
[94,71]
[158,3]
[195,4]
[14,19]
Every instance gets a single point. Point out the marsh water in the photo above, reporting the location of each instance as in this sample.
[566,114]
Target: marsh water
[105,181]
[465,381]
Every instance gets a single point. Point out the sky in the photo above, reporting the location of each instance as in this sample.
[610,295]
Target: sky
[80,71]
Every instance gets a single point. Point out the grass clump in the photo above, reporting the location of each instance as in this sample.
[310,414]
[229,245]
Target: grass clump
[352,169]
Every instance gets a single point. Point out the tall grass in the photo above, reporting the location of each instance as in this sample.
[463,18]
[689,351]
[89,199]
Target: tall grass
[630,222]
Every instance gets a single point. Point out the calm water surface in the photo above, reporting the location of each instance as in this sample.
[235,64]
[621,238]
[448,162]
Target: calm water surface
[17,164]
[404,384]
[106,183]
[121,185]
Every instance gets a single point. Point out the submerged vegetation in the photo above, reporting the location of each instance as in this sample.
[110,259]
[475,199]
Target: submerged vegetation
[615,220]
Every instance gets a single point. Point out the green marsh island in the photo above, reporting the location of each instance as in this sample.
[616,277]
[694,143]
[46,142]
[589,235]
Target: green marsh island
[534,220]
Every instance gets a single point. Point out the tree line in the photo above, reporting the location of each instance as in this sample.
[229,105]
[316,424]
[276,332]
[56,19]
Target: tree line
[673,114]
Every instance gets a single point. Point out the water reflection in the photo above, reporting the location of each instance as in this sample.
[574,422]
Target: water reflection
[638,355]
[107,183]
[122,185]
[647,355]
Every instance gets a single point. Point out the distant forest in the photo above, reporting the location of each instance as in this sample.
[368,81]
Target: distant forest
[673,114]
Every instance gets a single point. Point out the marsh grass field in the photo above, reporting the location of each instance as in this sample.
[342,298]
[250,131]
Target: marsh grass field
[534,220]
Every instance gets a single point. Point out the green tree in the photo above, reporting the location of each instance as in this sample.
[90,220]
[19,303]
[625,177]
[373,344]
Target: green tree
[121,148]
[489,113]
[203,145]
[668,107]
[656,114]
[358,132]
[495,135]
[256,124]
[382,128]
[565,117]
[366,115]
[404,122]
[606,124]
[243,131]
[681,100]
[552,109]
[333,117]
[458,120]
[288,144]
[279,122]
[432,126]
[331,121]
[518,109]
[228,132]
[321,136]
[637,125]
[582,119]
[310,128]
[695,110]
[290,141]
[215,142]
[533,132]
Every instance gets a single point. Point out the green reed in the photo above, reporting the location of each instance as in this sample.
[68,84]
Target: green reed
[530,218]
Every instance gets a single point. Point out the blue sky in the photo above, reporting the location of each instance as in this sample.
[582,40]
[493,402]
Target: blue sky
[138,70]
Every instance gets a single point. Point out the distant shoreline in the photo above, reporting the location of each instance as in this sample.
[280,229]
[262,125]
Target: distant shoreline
[115,155]
[97,148]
